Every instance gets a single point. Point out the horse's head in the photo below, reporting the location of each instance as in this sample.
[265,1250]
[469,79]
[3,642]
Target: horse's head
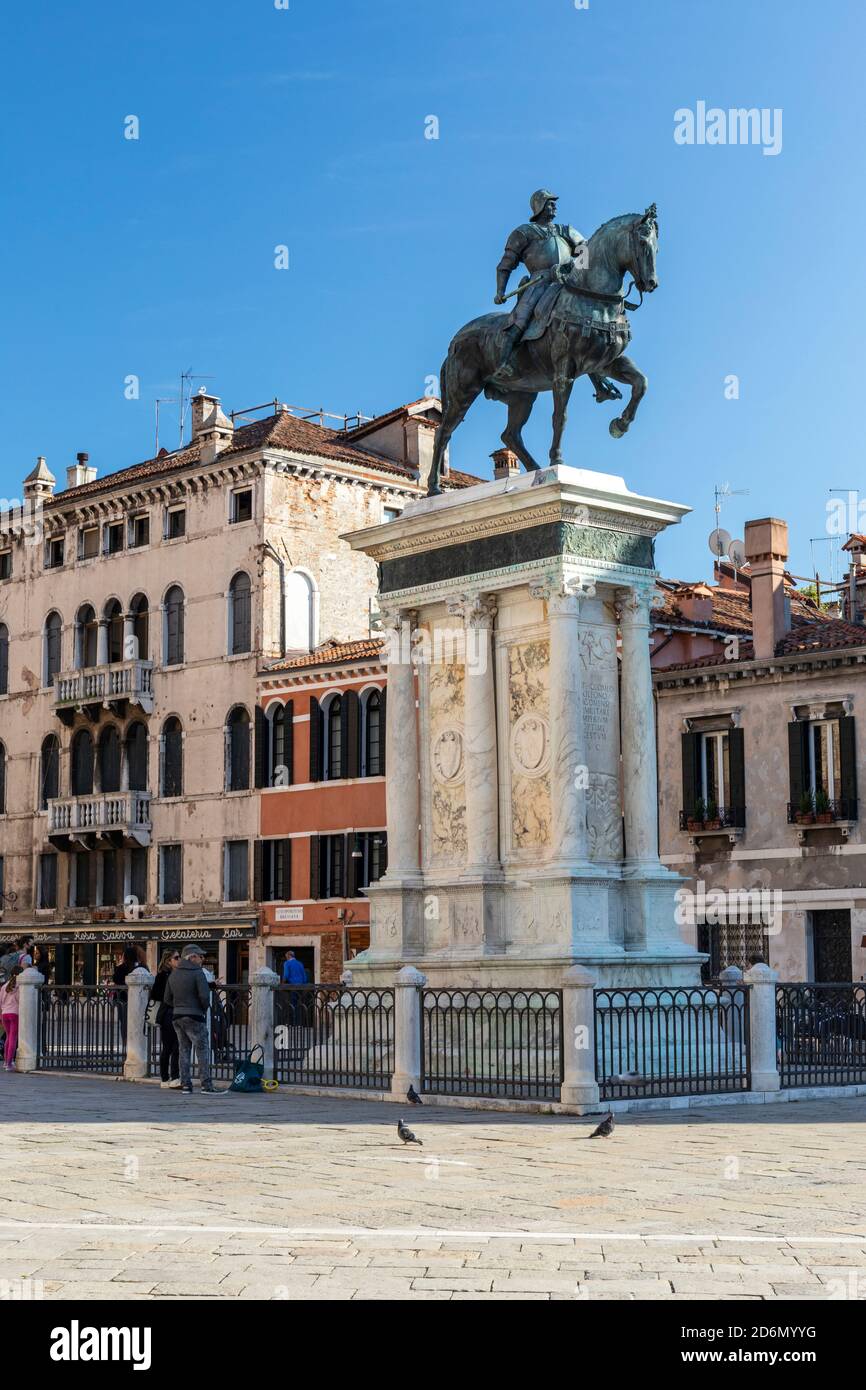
[644,245]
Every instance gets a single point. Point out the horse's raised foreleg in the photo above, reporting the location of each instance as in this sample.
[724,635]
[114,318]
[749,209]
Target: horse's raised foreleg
[624,370]
[520,405]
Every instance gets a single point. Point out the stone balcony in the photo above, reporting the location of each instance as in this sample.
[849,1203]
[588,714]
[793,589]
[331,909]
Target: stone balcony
[114,818]
[95,688]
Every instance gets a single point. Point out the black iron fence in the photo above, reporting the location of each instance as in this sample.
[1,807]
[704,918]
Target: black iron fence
[230,1041]
[821,1034]
[82,1028]
[486,1042]
[334,1035]
[671,1042]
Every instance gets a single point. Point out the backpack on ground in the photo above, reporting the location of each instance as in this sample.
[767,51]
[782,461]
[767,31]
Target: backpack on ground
[249,1074]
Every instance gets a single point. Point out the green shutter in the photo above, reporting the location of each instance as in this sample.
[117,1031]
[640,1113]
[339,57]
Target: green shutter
[315,871]
[289,743]
[258,855]
[315,740]
[737,773]
[798,732]
[848,766]
[261,749]
[351,730]
[691,744]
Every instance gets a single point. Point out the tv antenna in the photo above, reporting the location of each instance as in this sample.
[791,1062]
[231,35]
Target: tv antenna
[185,379]
[720,541]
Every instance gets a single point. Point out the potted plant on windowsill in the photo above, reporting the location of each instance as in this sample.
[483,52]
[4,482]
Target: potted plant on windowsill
[823,814]
[805,813]
[696,820]
[711,817]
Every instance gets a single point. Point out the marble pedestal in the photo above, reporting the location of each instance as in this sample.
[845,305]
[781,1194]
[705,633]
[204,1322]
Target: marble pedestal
[521,763]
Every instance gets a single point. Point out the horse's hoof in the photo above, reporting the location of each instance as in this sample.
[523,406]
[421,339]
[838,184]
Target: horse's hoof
[434,491]
[617,429]
[557,461]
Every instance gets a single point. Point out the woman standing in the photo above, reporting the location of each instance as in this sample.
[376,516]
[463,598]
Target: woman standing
[169,1070]
[9,999]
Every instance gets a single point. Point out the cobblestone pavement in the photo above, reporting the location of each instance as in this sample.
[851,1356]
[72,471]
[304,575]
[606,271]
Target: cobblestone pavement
[119,1191]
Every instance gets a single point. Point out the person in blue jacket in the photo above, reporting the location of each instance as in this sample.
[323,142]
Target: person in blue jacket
[294,974]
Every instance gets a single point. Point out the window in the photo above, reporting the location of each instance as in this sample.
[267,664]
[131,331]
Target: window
[139,531]
[390,513]
[138,876]
[237,741]
[81,879]
[300,613]
[368,860]
[46,890]
[86,637]
[53,642]
[2,779]
[715,770]
[279,771]
[334,739]
[171,759]
[175,523]
[240,615]
[170,870]
[822,765]
[139,612]
[49,771]
[109,759]
[374,735]
[713,777]
[136,757]
[174,627]
[276,880]
[54,553]
[114,621]
[236,871]
[112,539]
[81,772]
[731,943]
[328,866]
[4,659]
[241,506]
[5,564]
[88,542]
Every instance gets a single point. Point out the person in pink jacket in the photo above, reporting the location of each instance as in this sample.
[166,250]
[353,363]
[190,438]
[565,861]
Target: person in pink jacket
[9,999]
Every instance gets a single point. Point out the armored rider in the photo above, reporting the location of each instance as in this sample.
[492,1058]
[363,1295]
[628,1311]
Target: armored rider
[542,245]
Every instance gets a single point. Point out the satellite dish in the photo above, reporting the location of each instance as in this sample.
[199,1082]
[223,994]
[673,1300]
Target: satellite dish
[737,554]
[719,541]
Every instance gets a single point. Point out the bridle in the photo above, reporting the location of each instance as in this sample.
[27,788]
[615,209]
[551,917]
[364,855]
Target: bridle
[634,247]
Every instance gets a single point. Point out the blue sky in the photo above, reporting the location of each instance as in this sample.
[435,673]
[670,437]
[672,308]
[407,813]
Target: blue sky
[262,126]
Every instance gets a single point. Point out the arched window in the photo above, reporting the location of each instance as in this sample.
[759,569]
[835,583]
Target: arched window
[81,777]
[171,761]
[173,645]
[2,779]
[49,771]
[334,752]
[374,735]
[53,639]
[279,764]
[136,757]
[240,615]
[238,750]
[4,659]
[86,635]
[109,759]
[113,616]
[138,611]
[300,612]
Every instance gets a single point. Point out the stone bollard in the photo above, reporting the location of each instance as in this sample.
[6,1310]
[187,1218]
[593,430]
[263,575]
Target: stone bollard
[262,986]
[139,982]
[407,1031]
[762,1027]
[579,1083]
[29,1015]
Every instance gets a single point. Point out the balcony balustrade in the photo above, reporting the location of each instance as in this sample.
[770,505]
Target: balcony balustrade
[96,687]
[121,818]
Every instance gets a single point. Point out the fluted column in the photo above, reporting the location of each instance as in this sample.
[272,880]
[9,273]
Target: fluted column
[568,770]
[639,764]
[401,750]
[479,734]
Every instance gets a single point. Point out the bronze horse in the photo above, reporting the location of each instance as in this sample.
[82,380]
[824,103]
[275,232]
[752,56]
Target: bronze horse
[587,333]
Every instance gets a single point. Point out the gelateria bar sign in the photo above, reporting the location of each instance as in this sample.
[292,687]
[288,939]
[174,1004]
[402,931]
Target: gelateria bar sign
[138,932]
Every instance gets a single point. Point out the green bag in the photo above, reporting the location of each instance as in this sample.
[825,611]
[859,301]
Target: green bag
[248,1076]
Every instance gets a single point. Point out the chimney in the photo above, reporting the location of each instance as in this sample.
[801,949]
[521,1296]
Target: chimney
[505,464]
[766,551]
[80,472]
[39,483]
[210,426]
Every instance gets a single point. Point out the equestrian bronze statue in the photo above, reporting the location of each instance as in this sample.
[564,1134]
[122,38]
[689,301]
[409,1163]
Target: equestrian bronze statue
[569,321]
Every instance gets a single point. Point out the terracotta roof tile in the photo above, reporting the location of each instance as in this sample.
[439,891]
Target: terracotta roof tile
[333,654]
[818,635]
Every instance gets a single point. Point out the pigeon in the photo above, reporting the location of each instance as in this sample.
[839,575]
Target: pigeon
[629,1078]
[413,1097]
[605,1129]
[406,1134]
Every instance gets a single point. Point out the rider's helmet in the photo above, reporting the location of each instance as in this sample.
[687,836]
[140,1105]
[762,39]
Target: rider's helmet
[538,199]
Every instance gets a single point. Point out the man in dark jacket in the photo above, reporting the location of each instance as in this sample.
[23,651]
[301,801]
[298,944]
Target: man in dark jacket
[188,995]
